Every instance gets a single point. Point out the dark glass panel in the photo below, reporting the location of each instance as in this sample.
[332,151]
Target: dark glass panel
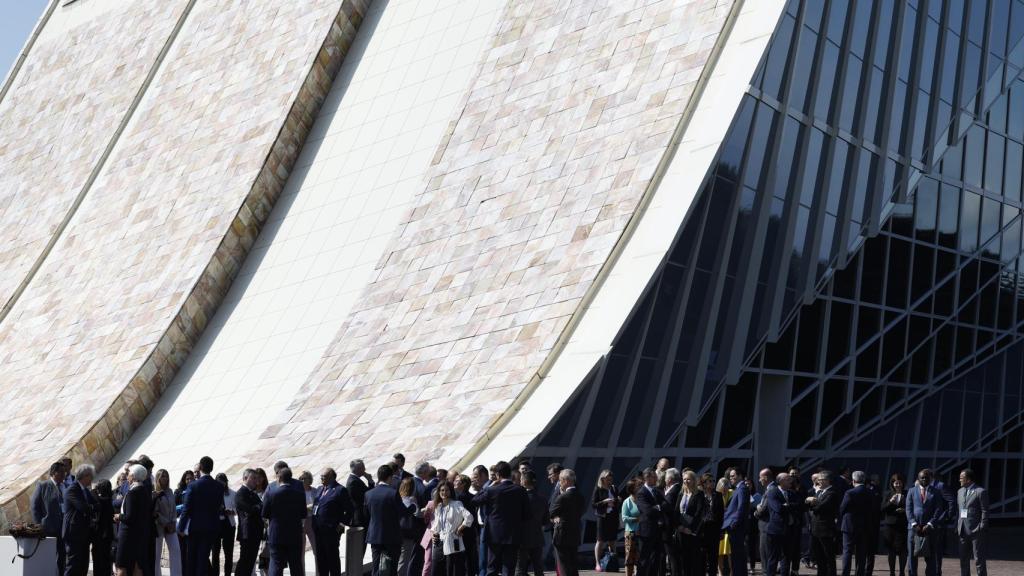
[970,215]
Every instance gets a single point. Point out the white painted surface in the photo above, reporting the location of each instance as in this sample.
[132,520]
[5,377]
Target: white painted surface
[653,236]
[361,166]
[42,563]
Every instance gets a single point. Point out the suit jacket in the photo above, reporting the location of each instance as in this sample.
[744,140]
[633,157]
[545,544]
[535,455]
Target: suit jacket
[568,508]
[249,509]
[693,516]
[672,508]
[784,511]
[202,506]
[533,536]
[973,499]
[47,501]
[949,496]
[285,508]
[894,514]
[357,490]
[824,512]
[651,503]
[930,510]
[332,507]
[712,527]
[508,510]
[855,510]
[79,512]
[383,508]
[737,512]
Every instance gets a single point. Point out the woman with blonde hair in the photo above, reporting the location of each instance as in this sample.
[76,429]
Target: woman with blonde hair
[164,517]
[606,503]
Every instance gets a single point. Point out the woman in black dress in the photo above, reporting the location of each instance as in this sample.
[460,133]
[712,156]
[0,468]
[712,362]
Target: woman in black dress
[711,529]
[103,537]
[133,542]
[606,505]
[894,522]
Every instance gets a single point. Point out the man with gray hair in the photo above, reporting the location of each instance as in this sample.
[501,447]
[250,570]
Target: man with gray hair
[855,513]
[566,513]
[79,510]
[824,506]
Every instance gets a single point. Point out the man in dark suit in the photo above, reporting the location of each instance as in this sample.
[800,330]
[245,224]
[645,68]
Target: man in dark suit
[762,514]
[249,508]
[737,515]
[383,509]
[782,528]
[531,552]
[948,516]
[332,510]
[79,514]
[824,507]
[566,515]
[398,467]
[47,508]
[652,506]
[285,508]
[479,481]
[200,518]
[855,513]
[972,524]
[672,544]
[508,512]
[358,484]
[926,509]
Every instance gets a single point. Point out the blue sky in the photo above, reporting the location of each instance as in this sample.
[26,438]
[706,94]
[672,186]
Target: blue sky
[17,17]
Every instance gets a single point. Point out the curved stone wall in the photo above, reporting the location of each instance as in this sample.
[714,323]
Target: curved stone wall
[130,283]
[559,137]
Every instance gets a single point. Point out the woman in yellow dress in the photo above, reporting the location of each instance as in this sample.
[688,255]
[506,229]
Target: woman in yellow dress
[724,549]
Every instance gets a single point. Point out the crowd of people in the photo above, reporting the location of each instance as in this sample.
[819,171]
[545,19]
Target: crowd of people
[493,521]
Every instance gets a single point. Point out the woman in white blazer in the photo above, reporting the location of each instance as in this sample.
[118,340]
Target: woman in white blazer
[450,519]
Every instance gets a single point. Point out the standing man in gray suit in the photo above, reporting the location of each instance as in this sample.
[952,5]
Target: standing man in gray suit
[48,508]
[972,523]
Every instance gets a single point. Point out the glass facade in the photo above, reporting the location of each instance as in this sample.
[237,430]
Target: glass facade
[847,288]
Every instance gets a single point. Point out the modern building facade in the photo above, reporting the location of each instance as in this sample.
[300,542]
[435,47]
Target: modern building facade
[722,231]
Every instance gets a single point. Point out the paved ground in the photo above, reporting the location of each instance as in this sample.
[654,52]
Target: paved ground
[950,567]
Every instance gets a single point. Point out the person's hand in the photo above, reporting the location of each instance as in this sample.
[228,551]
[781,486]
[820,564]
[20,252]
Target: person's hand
[460,529]
[230,512]
[341,528]
[117,517]
[556,520]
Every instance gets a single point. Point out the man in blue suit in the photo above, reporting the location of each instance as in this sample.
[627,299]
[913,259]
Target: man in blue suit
[79,511]
[384,509]
[285,508]
[47,508]
[737,514]
[508,513]
[200,518]
[332,511]
[926,510]
[855,513]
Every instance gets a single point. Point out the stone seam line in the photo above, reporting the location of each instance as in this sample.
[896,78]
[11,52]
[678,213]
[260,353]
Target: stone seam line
[212,284]
[100,163]
[617,249]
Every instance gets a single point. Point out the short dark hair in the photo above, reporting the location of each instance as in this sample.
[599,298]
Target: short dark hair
[146,462]
[529,477]
[284,474]
[554,468]
[480,469]
[56,468]
[647,471]
[968,472]
[739,472]
[503,469]
[398,456]
[278,465]
[384,473]
[206,464]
